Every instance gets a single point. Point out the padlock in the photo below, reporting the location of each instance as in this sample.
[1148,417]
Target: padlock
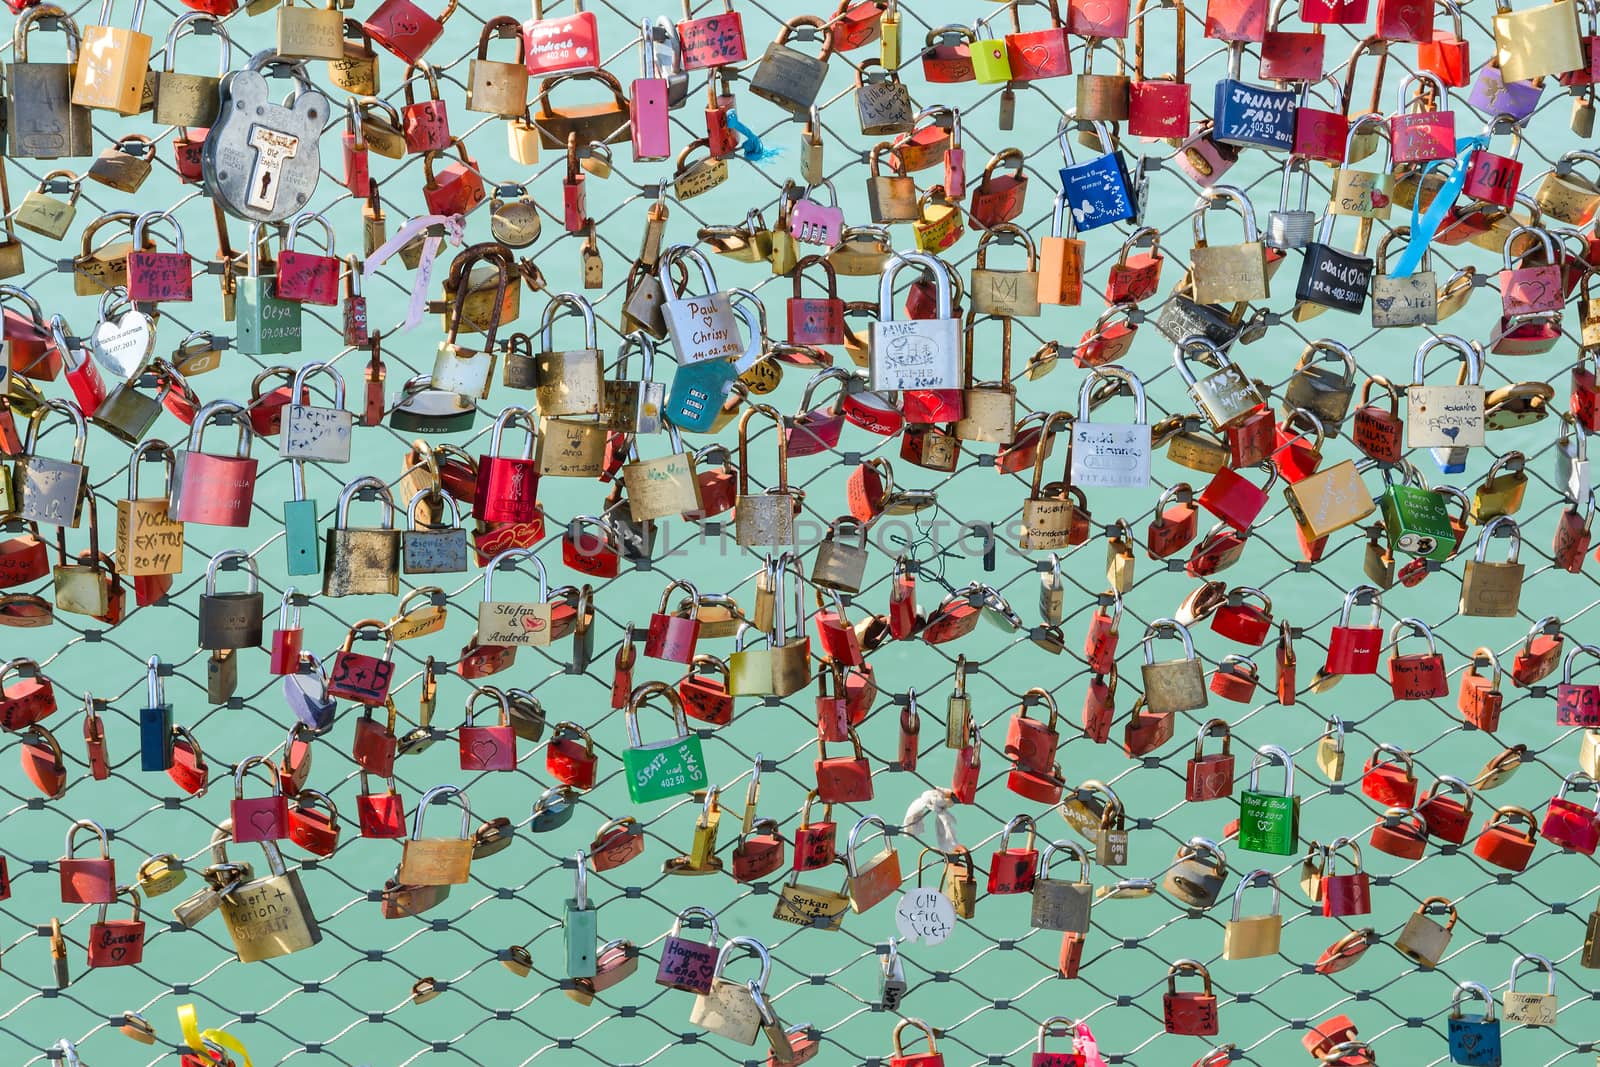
[88,881]
[1500,843]
[1422,940]
[231,620]
[112,65]
[1409,301]
[1474,1041]
[1210,777]
[1110,454]
[1226,397]
[1492,178]
[901,1058]
[1012,870]
[1257,935]
[922,358]
[258,818]
[1060,904]
[1540,653]
[1234,499]
[44,122]
[732,1009]
[1270,822]
[788,77]
[1568,824]
[1577,704]
[362,559]
[1493,590]
[435,861]
[1248,115]
[265,323]
[116,942]
[1445,817]
[1355,649]
[1531,1009]
[1172,685]
[1189,1013]
[488,748]
[1345,894]
[1100,191]
[1392,784]
[663,768]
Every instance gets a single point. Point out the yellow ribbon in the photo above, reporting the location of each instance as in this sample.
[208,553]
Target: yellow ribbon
[196,1038]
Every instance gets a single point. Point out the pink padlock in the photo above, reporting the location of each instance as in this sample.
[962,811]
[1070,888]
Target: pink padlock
[306,277]
[259,818]
[648,124]
[155,276]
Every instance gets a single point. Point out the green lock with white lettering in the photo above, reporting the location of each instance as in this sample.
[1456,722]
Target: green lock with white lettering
[580,931]
[661,769]
[1417,520]
[265,324]
[1270,822]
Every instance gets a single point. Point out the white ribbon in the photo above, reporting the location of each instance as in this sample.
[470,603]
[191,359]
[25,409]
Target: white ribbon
[454,232]
[940,803]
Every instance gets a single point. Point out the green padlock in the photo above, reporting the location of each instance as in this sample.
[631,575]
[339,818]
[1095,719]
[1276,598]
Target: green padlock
[265,324]
[1270,822]
[1417,521]
[302,539]
[991,63]
[661,769]
[580,931]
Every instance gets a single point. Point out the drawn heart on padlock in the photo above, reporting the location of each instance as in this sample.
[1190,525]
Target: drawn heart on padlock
[1452,432]
[1379,200]
[264,821]
[484,751]
[1036,56]
[123,345]
[532,623]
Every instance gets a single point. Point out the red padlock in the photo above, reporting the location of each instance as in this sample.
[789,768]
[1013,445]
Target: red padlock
[1377,432]
[1146,731]
[1345,894]
[705,695]
[569,757]
[1191,1013]
[956,616]
[1241,621]
[910,733]
[839,640]
[404,28]
[1235,679]
[382,814]
[998,199]
[1039,787]
[1479,700]
[1109,18]
[1030,743]
[1071,957]
[92,880]
[1502,844]
[155,276]
[758,852]
[902,600]
[488,748]
[616,842]
[1100,643]
[259,818]
[1355,649]
[1235,500]
[901,1058]
[425,125]
[306,276]
[189,770]
[815,843]
[596,555]
[28,700]
[672,637]
[361,677]
[1252,439]
[316,831]
[1109,339]
[1294,457]
[295,767]
[1175,523]
[1492,178]
[1540,653]
[1328,1033]
[1573,535]
[117,942]
[1012,870]
[969,759]
[1218,550]
[1099,706]
[42,761]
[288,638]
[1446,817]
[1570,825]
[816,321]
[843,779]
[1210,777]
[1416,675]
[1392,784]
[1577,704]
[456,189]
[1401,833]
[94,742]
[860,691]
[505,489]
[1584,404]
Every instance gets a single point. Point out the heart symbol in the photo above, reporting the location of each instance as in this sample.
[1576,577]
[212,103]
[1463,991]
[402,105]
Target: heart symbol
[583,51]
[483,751]
[264,821]
[1379,200]
[123,344]
[1039,50]
[533,624]
[1452,432]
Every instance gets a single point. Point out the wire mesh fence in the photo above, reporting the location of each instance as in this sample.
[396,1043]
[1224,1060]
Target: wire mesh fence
[354,996]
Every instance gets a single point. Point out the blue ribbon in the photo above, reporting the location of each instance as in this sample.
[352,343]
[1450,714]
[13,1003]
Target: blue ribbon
[1423,228]
[752,148]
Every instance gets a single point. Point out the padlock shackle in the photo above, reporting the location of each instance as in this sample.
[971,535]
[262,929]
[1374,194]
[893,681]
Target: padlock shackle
[1566,663]
[855,833]
[1232,198]
[900,1026]
[901,260]
[1247,882]
[1491,529]
[1473,990]
[1166,626]
[640,697]
[1112,372]
[506,561]
[1540,963]
[247,564]
[1374,597]
[1413,626]
[1272,754]
[246,765]
[755,948]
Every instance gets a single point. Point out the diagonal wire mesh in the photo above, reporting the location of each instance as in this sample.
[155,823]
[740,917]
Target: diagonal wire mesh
[989,987]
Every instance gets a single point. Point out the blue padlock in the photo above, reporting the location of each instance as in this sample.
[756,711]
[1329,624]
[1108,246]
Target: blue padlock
[1252,115]
[155,722]
[698,389]
[1474,1042]
[301,538]
[1097,192]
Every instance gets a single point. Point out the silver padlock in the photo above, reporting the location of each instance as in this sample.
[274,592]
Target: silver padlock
[1198,873]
